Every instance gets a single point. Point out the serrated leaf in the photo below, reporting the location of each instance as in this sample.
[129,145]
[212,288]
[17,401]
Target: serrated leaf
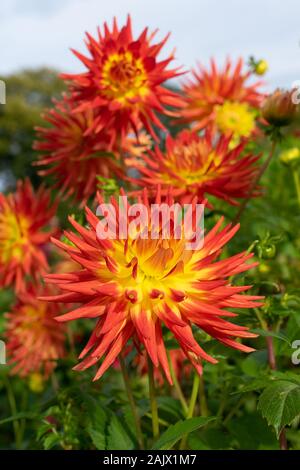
[118,438]
[97,420]
[280,404]
[175,432]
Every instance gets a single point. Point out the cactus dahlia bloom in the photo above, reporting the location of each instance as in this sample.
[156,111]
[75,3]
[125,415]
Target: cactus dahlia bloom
[72,155]
[135,286]
[124,81]
[34,339]
[195,165]
[223,99]
[24,215]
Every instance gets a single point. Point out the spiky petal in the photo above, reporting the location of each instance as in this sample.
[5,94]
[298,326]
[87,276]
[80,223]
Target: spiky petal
[24,216]
[124,81]
[34,339]
[198,166]
[222,99]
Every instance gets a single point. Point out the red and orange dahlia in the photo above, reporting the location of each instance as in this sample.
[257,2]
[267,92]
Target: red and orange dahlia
[136,285]
[198,166]
[73,155]
[124,81]
[24,216]
[223,99]
[35,341]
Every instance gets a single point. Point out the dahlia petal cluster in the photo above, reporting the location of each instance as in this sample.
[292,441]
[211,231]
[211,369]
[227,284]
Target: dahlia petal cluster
[200,166]
[73,155]
[26,224]
[35,341]
[124,82]
[137,286]
[222,99]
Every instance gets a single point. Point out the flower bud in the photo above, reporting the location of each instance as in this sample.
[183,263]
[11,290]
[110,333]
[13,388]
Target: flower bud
[261,67]
[278,108]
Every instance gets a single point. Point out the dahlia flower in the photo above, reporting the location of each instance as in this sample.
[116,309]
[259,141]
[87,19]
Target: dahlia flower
[279,108]
[124,81]
[223,99]
[137,285]
[198,165]
[24,215]
[35,341]
[73,155]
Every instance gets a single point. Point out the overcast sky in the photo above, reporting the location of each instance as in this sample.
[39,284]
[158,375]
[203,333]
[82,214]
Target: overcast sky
[37,33]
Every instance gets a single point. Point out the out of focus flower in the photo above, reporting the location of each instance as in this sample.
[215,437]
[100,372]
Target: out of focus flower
[72,154]
[198,166]
[24,215]
[290,156]
[222,99]
[133,286]
[36,382]
[124,81]
[35,341]
[279,109]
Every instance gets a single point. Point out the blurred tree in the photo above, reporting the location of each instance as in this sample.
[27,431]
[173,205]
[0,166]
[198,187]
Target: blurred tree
[28,93]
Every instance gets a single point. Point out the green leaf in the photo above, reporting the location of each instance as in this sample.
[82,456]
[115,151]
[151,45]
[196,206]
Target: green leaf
[96,428]
[51,440]
[21,415]
[118,438]
[175,432]
[280,336]
[43,429]
[280,404]
[254,385]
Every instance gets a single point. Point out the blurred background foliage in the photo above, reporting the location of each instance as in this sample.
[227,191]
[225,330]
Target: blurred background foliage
[28,93]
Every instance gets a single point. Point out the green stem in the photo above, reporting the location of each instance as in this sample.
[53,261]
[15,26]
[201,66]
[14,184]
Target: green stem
[177,387]
[297,183]
[131,400]
[14,411]
[192,404]
[194,396]
[255,183]
[153,402]
[202,398]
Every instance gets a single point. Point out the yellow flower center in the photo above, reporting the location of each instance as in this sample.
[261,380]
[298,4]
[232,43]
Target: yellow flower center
[124,77]
[192,164]
[13,236]
[151,270]
[236,118]
[36,382]
[290,155]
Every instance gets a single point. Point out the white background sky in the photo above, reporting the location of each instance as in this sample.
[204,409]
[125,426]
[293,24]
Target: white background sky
[37,33]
